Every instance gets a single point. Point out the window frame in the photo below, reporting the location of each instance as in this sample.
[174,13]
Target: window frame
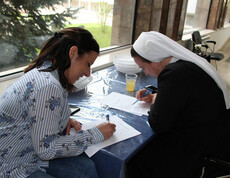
[18,71]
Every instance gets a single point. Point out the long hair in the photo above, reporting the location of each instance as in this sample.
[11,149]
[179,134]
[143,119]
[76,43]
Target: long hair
[56,50]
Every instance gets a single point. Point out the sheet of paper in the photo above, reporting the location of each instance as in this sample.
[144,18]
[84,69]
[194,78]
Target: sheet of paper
[124,103]
[123,132]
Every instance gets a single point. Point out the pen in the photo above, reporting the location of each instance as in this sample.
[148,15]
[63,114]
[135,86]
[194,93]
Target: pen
[107,118]
[75,111]
[142,96]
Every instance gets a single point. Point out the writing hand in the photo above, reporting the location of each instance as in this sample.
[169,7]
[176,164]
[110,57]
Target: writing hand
[149,98]
[107,129]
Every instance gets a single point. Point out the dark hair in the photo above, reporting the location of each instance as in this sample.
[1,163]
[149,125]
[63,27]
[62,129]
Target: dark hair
[56,49]
[135,54]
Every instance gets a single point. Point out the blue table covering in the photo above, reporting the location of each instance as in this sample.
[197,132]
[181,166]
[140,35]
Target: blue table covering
[110,161]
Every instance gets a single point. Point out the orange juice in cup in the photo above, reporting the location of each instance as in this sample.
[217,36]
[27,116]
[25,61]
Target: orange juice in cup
[130,82]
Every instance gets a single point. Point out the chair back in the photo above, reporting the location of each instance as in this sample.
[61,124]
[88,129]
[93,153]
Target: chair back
[196,38]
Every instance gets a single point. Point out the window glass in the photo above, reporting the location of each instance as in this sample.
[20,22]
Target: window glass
[227,17]
[25,25]
[196,15]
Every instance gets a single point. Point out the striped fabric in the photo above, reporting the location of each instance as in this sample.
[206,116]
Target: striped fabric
[33,112]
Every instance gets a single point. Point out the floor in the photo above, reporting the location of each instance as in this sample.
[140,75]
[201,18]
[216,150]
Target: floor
[223,66]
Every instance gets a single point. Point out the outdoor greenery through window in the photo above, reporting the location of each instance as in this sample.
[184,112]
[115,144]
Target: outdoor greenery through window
[25,25]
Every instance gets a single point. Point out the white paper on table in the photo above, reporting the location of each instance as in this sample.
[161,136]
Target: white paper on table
[123,132]
[124,103]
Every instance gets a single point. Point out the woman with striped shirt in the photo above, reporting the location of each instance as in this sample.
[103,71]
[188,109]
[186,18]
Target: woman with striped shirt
[34,112]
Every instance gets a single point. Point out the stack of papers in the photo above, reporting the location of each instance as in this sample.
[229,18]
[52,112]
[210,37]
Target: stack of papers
[123,132]
[124,103]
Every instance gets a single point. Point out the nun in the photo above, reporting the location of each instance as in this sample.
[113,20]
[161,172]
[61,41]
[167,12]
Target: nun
[186,113]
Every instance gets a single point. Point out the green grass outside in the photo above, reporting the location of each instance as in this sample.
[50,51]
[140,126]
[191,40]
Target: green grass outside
[102,37]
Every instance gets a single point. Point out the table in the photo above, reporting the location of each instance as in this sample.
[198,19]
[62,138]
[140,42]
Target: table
[110,161]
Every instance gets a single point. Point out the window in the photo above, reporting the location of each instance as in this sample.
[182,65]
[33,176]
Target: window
[25,25]
[227,17]
[196,15]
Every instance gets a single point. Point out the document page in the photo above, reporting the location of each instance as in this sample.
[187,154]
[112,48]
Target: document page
[124,103]
[123,132]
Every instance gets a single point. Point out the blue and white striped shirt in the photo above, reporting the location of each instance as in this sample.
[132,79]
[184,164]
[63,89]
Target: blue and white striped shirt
[33,112]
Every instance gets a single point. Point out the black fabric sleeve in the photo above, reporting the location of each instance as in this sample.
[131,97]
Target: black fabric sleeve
[171,99]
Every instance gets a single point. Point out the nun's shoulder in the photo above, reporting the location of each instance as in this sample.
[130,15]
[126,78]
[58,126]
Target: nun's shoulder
[182,66]
[179,68]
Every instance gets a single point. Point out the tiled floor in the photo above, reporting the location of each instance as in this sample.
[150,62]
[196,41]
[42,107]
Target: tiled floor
[223,67]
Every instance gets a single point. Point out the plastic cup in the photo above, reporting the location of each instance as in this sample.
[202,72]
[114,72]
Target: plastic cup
[130,82]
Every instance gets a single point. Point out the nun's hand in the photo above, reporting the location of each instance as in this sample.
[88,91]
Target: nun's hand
[149,98]
[153,98]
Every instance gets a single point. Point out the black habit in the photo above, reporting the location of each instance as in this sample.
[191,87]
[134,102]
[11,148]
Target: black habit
[187,119]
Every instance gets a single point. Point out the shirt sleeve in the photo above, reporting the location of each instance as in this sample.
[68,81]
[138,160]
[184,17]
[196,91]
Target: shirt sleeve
[170,100]
[46,117]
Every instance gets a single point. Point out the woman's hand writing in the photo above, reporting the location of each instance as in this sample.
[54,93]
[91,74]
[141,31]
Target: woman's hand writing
[107,129]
